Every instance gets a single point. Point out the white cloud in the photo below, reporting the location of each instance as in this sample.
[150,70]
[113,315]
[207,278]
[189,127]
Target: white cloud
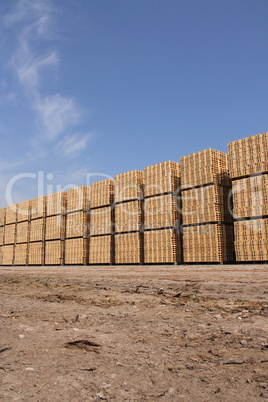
[73,144]
[56,114]
[28,69]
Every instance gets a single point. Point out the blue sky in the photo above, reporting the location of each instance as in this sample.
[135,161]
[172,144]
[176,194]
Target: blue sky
[107,86]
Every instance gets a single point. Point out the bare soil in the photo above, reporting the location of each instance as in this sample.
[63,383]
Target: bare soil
[145,333]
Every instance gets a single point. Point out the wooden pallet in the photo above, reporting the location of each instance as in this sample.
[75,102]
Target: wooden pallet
[204,167]
[37,230]
[76,251]
[161,211]
[56,203]
[7,255]
[55,227]
[22,232]
[11,214]
[161,178]
[23,211]
[248,156]
[54,252]
[77,224]
[78,198]
[128,216]
[2,216]
[21,254]
[102,193]
[162,246]
[38,207]
[36,253]
[101,221]
[129,186]
[128,248]
[10,232]
[101,250]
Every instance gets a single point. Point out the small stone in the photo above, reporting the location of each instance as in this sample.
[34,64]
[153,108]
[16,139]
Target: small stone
[243,342]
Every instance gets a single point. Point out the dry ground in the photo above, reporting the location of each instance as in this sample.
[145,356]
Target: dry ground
[185,333]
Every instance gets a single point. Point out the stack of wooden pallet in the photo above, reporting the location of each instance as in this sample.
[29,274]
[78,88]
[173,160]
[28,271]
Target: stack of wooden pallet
[37,231]
[206,207]
[77,225]
[129,188]
[22,233]
[9,235]
[162,239]
[38,207]
[161,246]
[128,216]
[54,252]
[249,172]
[55,228]
[128,248]
[78,199]
[204,167]
[8,254]
[56,203]
[101,249]
[162,178]
[102,193]
[205,204]
[2,229]
[248,156]
[101,221]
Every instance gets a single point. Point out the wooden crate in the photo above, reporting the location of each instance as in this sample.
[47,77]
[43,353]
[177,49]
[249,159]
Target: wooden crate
[76,251]
[77,224]
[78,199]
[36,253]
[129,186]
[54,252]
[22,232]
[102,193]
[161,212]
[211,203]
[11,214]
[248,156]
[38,207]
[205,167]
[7,255]
[55,227]
[23,211]
[101,250]
[21,254]
[162,178]
[162,246]
[37,230]
[56,203]
[2,216]
[128,216]
[128,248]
[9,235]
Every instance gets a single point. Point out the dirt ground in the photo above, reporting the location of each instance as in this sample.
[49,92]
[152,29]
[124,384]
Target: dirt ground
[167,333]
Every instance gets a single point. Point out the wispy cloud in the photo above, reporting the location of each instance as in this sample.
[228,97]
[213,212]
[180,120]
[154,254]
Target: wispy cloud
[73,144]
[56,115]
